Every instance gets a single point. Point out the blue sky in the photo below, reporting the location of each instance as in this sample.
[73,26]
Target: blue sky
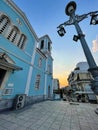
[46,15]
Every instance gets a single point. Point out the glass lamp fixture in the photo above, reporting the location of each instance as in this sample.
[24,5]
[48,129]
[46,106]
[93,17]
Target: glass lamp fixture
[61,31]
[75,38]
[94,19]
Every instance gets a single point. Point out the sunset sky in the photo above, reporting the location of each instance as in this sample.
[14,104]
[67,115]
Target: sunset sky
[46,15]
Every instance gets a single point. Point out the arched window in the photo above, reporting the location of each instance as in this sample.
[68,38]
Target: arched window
[21,42]
[4,22]
[37,83]
[12,33]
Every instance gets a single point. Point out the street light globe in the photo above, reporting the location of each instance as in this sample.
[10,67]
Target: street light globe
[70,8]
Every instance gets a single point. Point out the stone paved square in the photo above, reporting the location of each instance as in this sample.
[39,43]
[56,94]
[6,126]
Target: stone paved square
[51,115]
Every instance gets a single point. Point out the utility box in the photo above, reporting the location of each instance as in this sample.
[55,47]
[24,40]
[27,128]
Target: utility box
[19,101]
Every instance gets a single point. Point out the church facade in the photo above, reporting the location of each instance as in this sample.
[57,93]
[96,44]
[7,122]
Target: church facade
[26,64]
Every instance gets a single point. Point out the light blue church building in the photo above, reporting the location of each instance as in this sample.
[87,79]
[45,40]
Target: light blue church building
[26,64]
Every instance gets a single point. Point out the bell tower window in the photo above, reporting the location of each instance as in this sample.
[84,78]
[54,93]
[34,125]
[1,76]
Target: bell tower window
[48,46]
[42,44]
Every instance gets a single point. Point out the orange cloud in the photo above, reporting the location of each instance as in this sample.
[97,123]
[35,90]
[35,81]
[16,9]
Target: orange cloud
[95,45]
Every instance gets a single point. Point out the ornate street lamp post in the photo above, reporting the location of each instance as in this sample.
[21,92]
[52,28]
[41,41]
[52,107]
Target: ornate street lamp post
[74,20]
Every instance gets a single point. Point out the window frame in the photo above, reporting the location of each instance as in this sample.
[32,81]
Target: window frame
[22,41]
[42,44]
[13,33]
[3,26]
[37,82]
[40,62]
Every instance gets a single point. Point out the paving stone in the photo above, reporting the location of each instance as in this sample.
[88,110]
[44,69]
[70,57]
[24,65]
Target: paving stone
[3,128]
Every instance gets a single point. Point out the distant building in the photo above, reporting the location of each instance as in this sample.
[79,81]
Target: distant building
[66,89]
[80,80]
[56,89]
[56,85]
[26,64]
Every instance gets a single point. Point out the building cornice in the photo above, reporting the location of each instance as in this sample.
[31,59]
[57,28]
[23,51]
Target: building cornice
[41,53]
[17,9]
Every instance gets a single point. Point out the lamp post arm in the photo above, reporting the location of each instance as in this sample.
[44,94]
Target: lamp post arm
[92,13]
[81,17]
[78,18]
[69,22]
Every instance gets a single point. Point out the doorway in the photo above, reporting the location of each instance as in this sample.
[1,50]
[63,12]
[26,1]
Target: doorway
[48,91]
[2,75]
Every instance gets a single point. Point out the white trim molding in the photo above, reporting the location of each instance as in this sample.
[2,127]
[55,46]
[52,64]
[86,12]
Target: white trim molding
[30,71]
